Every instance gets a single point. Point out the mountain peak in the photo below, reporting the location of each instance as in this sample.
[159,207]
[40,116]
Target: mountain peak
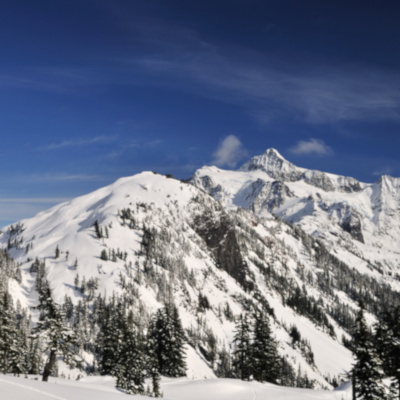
[271,152]
[274,164]
[277,167]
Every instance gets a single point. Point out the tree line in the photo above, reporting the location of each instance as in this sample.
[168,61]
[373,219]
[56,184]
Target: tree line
[377,356]
[122,350]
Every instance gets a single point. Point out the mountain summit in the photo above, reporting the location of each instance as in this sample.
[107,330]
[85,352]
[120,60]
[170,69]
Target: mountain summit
[277,167]
[272,162]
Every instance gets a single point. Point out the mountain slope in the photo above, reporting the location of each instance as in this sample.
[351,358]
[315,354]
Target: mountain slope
[158,237]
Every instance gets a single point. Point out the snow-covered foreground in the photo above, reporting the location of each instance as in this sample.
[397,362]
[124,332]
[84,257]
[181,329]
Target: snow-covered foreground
[102,388]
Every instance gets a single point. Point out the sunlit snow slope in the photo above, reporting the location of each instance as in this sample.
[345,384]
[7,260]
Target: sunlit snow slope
[12,388]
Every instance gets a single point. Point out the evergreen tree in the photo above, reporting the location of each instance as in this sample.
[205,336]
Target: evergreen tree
[33,361]
[97,229]
[104,255]
[58,338]
[367,371]
[168,337]
[110,338]
[242,353]
[152,365]
[57,252]
[266,362]
[387,340]
[224,367]
[176,365]
[121,348]
[130,369]
[155,382]
[10,351]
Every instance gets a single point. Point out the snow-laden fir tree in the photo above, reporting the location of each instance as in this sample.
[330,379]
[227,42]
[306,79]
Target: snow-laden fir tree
[110,339]
[57,338]
[265,358]
[10,350]
[176,365]
[242,351]
[130,369]
[367,370]
[167,333]
[394,324]
[152,365]
[387,341]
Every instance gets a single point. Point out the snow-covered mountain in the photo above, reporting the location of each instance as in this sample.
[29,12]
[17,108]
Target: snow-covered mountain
[354,217]
[303,245]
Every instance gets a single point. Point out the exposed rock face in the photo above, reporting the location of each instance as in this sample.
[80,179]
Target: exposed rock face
[348,184]
[267,195]
[350,221]
[219,236]
[352,225]
[278,168]
[318,179]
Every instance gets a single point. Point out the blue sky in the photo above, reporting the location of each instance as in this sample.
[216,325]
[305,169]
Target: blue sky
[93,90]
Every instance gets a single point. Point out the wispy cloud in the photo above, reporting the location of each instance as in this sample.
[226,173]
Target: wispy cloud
[56,177]
[66,177]
[14,209]
[33,200]
[229,152]
[60,80]
[266,87]
[324,97]
[119,151]
[383,171]
[81,142]
[311,146]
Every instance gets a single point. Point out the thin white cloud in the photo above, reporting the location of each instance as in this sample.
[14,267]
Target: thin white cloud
[229,152]
[33,200]
[56,177]
[65,177]
[270,90]
[266,88]
[383,171]
[15,209]
[118,152]
[180,57]
[78,142]
[311,146]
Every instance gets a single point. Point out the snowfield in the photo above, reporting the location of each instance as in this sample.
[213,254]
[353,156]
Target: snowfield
[102,388]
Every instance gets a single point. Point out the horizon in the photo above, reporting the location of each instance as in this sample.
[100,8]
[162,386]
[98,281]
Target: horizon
[95,90]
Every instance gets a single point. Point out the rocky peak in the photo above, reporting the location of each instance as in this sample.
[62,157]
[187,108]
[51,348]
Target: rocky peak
[274,165]
[277,167]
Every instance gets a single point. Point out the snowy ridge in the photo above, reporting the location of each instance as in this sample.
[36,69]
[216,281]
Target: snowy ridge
[277,167]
